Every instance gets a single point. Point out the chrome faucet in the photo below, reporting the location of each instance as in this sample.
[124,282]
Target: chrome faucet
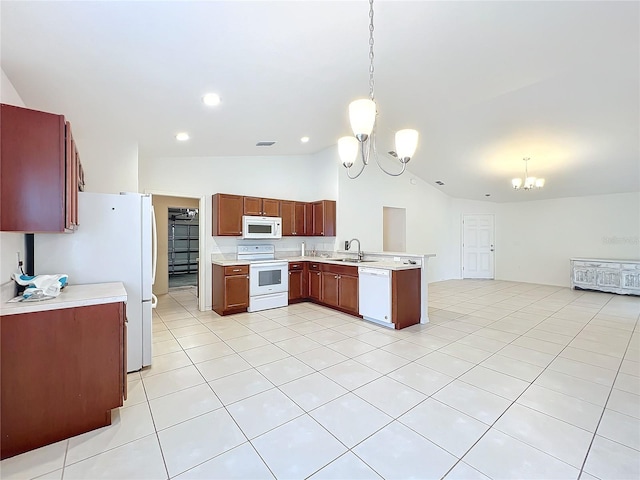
[360,254]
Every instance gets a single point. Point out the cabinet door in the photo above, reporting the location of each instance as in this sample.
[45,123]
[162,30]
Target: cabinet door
[227,214]
[299,219]
[348,293]
[330,290]
[288,218]
[236,291]
[308,219]
[314,285]
[270,207]
[324,218]
[318,218]
[329,220]
[252,206]
[32,162]
[295,285]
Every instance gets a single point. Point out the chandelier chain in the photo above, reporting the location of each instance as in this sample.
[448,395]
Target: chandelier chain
[371,81]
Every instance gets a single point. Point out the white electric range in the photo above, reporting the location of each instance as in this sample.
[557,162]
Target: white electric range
[268,277]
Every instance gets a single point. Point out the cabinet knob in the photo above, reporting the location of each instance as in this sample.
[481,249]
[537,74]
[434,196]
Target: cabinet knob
[247,276]
[335,276]
[236,269]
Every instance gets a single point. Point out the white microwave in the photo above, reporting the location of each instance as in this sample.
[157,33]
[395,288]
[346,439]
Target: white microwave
[261,227]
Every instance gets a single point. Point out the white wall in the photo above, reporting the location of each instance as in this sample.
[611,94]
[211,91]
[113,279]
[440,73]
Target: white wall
[110,163]
[360,213]
[304,178]
[535,240]
[10,243]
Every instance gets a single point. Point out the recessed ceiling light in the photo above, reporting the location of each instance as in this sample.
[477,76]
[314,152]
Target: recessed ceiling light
[182,136]
[439,182]
[487,194]
[304,139]
[211,99]
[265,143]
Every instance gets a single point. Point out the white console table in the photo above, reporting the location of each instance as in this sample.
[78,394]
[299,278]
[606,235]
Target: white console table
[615,276]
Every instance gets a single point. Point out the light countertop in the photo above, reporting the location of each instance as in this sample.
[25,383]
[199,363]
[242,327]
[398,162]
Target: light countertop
[70,297]
[383,263]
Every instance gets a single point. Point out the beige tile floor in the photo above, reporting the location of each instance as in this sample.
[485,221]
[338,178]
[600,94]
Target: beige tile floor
[509,380]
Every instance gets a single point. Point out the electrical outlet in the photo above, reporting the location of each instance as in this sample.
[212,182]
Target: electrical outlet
[396,259]
[346,244]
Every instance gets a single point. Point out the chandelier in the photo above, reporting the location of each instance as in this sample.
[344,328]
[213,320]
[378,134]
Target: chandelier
[529,182]
[362,116]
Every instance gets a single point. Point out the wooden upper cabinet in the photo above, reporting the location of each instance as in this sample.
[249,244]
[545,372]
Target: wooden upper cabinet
[287,209]
[300,219]
[293,218]
[324,218]
[261,207]
[38,168]
[227,214]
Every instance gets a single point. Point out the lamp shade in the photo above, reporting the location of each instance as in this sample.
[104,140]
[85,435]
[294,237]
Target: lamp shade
[517,183]
[529,182]
[362,115]
[348,150]
[406,144]
[539,182]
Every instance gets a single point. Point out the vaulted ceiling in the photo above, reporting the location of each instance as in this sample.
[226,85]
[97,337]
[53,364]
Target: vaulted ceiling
[485,83]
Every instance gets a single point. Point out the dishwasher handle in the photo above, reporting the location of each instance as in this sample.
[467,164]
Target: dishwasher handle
[377,272]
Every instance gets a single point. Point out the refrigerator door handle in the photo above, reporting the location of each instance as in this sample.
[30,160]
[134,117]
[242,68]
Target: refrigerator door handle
[154,301]
[154,236]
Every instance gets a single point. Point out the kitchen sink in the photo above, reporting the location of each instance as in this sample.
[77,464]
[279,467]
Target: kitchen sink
[350,260]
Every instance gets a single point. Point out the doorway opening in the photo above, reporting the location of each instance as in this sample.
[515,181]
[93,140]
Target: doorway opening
[183,248]
[394,228]
[184,257]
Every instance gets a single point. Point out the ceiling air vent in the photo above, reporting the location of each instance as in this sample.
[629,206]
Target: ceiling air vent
[438,182]
[265,144]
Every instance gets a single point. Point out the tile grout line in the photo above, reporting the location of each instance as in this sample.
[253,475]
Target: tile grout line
[604,408]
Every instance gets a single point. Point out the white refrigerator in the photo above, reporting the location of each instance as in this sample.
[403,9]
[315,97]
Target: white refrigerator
[115,242]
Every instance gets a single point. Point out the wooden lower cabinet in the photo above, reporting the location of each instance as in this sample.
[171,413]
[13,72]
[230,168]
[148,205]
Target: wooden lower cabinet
[314,281]
[230,289]
[348,293]
[62,373]
[298,289]
[330,289]
[340,287]
[405,298]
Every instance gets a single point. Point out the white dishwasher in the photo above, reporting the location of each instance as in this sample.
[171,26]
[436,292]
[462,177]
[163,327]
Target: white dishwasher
[374,289]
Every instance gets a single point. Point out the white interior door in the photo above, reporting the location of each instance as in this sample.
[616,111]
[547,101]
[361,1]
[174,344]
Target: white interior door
[478,247]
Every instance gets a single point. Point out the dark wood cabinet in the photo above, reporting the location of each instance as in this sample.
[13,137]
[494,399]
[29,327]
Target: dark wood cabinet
[39,172]
[348,293]
[261,207]
[340,287]
[324,218]
[62,373]
[405,297]
[314,281]
[227,214]
[330,287]
[230,289]
[293,218]
[298,289]
[298,218]
[287,210]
